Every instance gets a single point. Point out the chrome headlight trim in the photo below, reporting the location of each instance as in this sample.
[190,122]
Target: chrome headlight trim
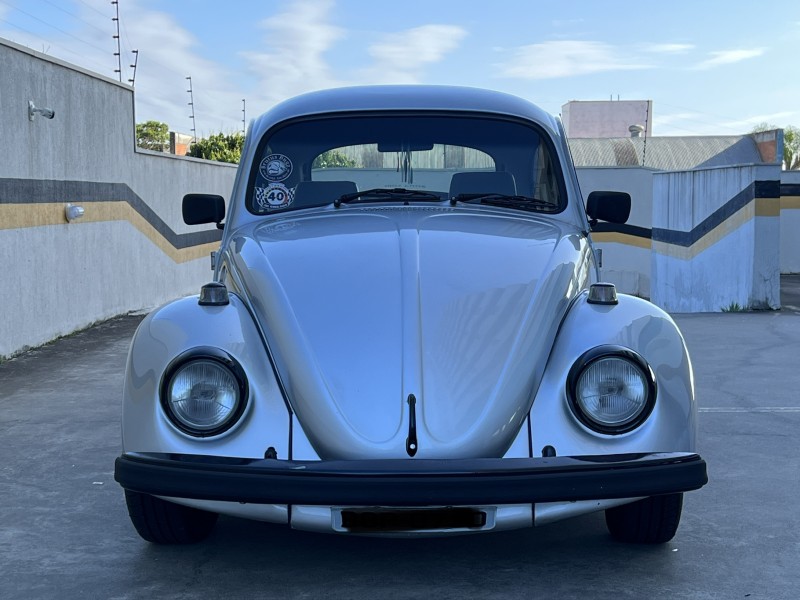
[591,358]
[217,359]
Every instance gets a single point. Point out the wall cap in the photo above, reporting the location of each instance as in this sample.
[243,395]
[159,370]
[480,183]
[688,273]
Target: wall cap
[62,63]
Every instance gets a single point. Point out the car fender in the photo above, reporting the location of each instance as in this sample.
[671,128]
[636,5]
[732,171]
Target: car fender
[182,327]
[637,325]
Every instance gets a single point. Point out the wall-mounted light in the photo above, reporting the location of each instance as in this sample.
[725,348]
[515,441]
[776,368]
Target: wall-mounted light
[47,113]
[72,212]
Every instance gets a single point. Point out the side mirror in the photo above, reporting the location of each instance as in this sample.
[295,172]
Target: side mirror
[203,208]
[614,207]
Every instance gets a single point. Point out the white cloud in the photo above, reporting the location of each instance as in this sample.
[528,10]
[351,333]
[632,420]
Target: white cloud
[728,57]
[669,48]
[298,39]
[567,22]
[669,119]
[82,45]
[749,122]
[704,123]
[567,58]
[401,56]
[291,57]
[684,123]
[295,41]
[167,54]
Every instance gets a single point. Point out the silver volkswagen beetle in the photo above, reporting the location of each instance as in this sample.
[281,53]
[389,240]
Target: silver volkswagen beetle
[405,335]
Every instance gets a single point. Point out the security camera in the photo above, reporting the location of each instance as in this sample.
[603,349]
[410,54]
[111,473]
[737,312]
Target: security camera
[47,113]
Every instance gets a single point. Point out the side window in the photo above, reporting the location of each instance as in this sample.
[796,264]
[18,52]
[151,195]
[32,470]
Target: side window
[544,176]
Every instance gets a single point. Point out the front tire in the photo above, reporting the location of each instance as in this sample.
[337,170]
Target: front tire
[162,522]
[649,521]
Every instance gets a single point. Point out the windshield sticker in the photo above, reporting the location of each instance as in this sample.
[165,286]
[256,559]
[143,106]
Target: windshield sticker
[275,196]
[275,167]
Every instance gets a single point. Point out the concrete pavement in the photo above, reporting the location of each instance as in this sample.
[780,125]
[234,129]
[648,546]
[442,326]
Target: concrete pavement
[64,530]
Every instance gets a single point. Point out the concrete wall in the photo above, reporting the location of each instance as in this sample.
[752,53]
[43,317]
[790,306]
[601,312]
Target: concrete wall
[790,222]
[716,239]
[131,249]
[626,248]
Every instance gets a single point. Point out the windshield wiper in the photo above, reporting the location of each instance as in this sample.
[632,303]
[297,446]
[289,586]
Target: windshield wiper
[402,193]
[504,200]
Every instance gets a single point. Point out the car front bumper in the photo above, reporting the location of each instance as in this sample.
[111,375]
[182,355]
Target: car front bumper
[411,482]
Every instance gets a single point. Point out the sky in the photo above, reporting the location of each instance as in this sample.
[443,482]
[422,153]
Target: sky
[710,67]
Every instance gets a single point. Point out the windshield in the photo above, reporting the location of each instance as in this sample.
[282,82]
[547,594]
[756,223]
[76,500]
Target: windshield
[316,161]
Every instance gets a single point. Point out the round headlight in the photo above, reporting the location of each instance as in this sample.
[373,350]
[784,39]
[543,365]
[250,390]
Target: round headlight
[612,392]
[204,396]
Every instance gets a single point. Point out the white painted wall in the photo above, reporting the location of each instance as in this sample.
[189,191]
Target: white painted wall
[70,276]
[741,266]
[626,266]
[67,276]
[731,272]
[790,228]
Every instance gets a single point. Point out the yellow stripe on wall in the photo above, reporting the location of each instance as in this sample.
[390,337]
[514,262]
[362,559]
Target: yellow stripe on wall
[790,202]
[22,216]
[768,207]
[761,207]
[614,237]
[728,226]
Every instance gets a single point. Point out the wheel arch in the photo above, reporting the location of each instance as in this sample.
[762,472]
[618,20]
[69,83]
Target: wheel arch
[183,327]
[643,328]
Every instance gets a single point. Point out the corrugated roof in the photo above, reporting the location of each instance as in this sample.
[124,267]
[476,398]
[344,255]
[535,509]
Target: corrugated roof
[665,153]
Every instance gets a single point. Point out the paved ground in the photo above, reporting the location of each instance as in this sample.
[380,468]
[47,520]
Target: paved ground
[64,531]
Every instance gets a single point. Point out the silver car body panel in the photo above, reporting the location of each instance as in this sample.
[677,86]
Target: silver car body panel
[417,305]
[337,316]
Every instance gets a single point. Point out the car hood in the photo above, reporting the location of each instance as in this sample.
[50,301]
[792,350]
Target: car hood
[363,308]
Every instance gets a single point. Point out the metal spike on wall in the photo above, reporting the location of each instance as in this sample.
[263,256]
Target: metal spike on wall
[646,124]
[244,117]
[132,80]
[191,103]
[118,70]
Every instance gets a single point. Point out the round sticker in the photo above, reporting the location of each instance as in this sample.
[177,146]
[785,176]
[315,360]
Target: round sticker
[275,167]
[274,197]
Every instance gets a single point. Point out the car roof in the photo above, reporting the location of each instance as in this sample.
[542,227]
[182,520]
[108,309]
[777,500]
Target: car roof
[405,97]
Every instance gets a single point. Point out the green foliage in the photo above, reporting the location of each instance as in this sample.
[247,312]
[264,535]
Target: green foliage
[791,143]
[332,158]
[222,147]
[152,135]
[791,147]
[733,307]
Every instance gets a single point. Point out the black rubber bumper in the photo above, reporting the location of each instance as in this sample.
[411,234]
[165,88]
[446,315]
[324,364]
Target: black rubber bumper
[412,482]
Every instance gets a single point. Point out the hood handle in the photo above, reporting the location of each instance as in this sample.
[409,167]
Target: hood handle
[411,440]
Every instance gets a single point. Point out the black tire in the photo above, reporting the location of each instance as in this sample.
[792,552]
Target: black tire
[162,522]
[649,521]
